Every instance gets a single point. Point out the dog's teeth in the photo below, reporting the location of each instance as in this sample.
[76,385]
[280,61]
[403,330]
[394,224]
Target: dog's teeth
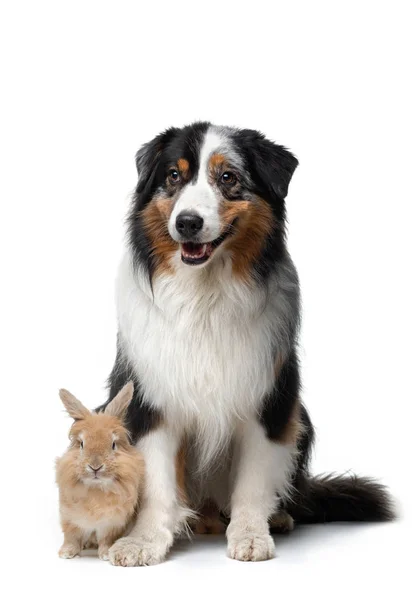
[198,253]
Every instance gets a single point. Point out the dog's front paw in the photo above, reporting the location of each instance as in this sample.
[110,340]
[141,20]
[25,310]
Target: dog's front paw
[135,552]
[69,551]
[250,546]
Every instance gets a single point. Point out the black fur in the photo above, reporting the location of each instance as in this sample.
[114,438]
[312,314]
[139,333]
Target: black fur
[140,417]
[279,405]
[305,445]
[327,498]
[271,167]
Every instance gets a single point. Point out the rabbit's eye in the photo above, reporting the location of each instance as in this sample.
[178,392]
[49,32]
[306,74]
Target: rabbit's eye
[114,446]
[81,444]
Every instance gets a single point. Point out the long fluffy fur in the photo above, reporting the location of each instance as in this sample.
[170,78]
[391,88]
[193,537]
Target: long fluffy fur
[330,497]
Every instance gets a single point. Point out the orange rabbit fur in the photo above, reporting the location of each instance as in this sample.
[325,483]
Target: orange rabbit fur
[100,477]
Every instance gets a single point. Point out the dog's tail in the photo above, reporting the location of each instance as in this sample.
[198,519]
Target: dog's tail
[340,498]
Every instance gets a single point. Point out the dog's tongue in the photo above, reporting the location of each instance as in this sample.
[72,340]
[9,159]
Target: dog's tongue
[191,250]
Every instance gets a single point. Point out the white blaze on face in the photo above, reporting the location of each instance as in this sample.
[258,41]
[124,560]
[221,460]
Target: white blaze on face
[199,197]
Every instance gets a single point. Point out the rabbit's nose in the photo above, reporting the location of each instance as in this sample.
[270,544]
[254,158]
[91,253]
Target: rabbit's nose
[95,469]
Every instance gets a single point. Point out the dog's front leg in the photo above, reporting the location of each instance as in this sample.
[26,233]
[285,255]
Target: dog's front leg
[153,533]
[261,472]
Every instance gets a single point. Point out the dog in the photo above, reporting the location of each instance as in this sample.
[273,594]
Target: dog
[208,307]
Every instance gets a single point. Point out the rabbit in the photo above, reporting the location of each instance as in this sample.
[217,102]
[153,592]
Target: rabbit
[100,477]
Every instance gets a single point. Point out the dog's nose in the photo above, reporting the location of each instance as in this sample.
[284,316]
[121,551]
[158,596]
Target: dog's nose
[96,469]
[188,224]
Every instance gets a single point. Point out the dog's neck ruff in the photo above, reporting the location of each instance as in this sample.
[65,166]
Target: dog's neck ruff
[203,344]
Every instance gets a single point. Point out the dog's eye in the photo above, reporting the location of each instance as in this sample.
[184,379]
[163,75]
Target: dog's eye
[174,176]
[81,444]
[228,178]
[114,446]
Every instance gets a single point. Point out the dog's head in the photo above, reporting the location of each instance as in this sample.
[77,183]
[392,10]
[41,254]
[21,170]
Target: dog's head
[204,191]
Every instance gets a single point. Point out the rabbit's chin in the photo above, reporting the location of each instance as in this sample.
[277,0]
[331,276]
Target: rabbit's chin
[98,482]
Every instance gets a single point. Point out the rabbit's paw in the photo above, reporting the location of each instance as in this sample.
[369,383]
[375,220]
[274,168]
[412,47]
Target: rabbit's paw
[69,551]
[134,552]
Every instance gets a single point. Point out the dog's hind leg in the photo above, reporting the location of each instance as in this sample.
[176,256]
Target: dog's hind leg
[281,522]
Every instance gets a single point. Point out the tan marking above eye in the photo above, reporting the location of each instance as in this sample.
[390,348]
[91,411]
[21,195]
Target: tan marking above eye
[218,168]
[184,167]
[216,161]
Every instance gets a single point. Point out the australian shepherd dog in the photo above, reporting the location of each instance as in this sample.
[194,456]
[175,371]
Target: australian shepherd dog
[208,315]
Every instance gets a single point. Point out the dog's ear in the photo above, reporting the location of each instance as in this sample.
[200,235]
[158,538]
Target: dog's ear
[148,156]
[271,165]
[276,165]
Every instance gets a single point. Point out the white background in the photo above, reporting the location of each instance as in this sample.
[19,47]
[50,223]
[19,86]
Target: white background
[83,85]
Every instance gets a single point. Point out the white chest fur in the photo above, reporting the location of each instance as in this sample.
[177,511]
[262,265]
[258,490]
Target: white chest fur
[204,346]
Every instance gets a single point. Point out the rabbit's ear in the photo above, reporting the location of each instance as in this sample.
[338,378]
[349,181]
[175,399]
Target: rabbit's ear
[117,407]
[74,408]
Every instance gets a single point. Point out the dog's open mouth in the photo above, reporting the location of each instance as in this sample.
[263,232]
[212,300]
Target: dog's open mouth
[197,254]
